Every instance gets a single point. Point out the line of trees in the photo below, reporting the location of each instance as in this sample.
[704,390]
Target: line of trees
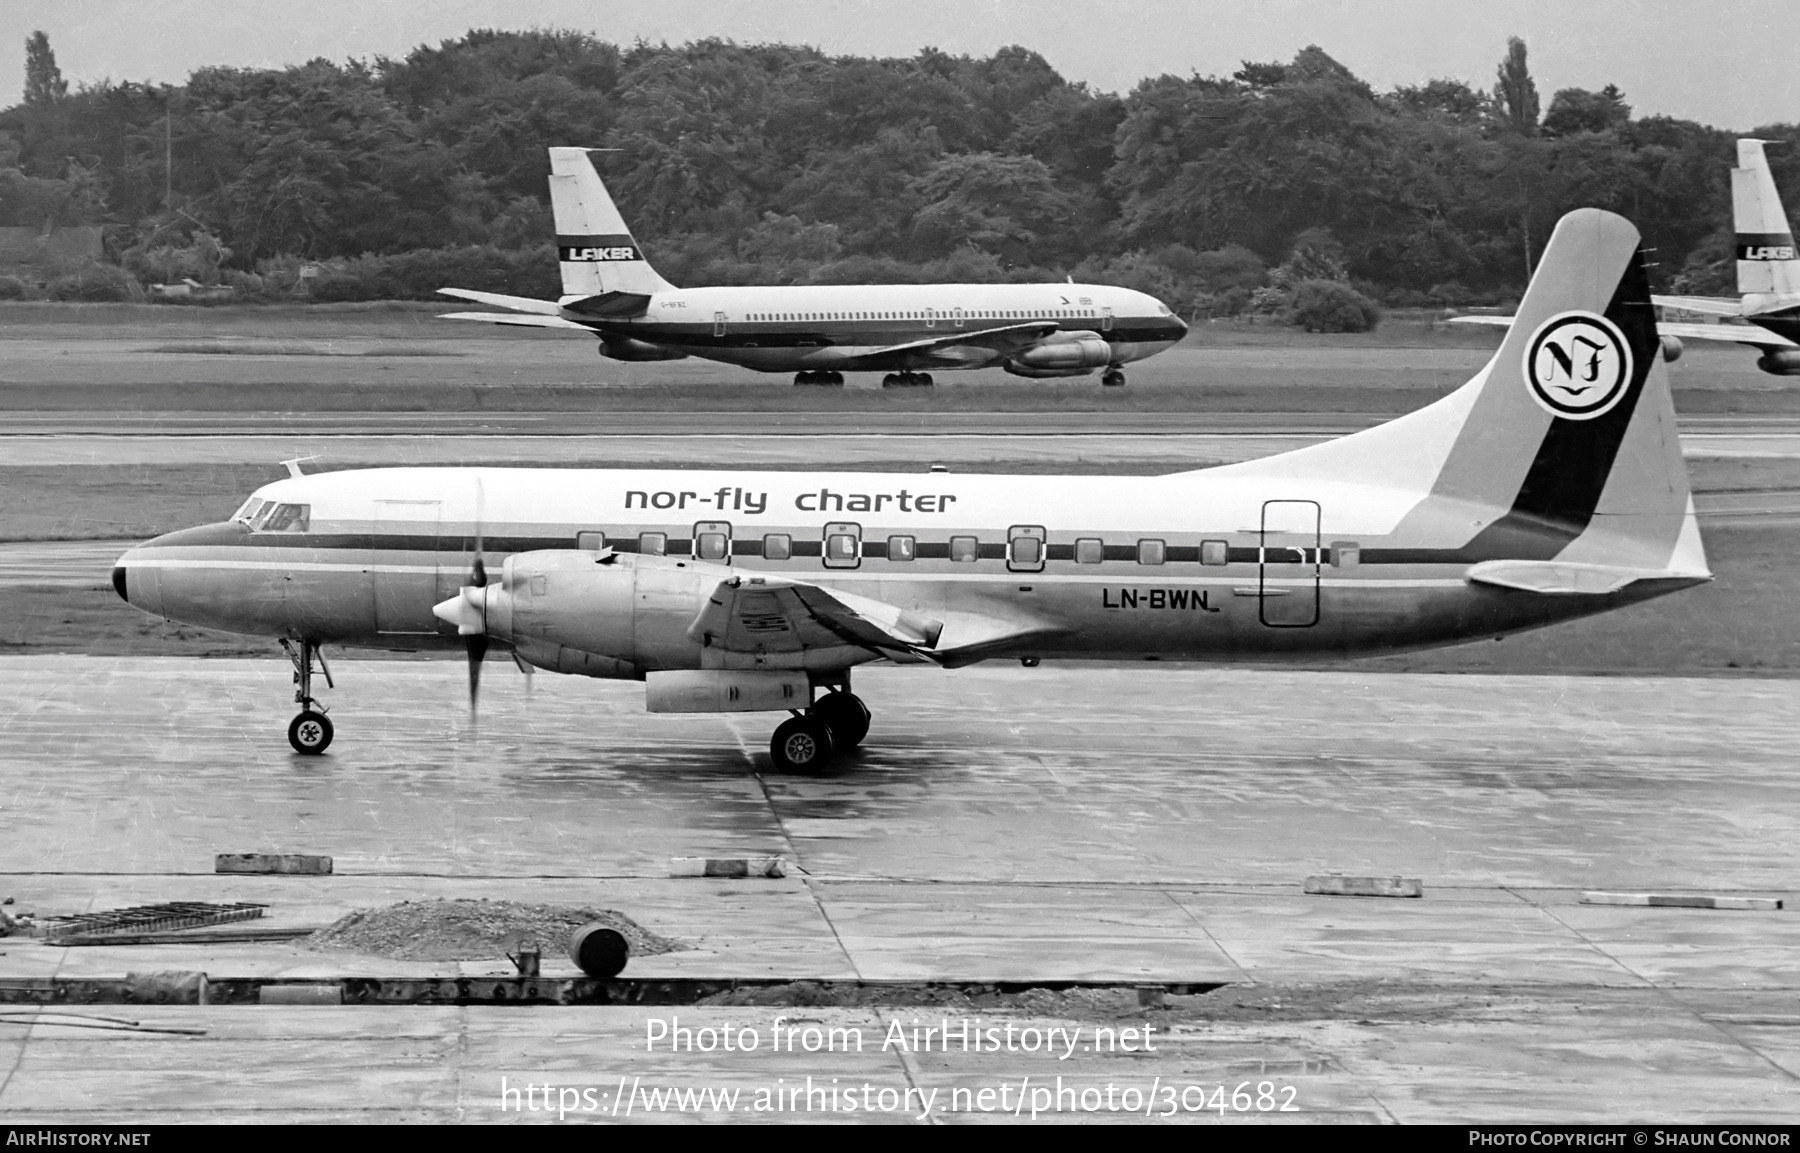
[780,164]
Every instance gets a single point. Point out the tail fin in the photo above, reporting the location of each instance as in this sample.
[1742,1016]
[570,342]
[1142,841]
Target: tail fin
[1564,447]
[1766,259]
[594,248]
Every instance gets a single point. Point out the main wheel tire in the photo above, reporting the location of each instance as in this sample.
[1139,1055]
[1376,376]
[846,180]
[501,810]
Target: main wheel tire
[924,380]
[310,733]
[1112,378]
[802,745]
[847,718]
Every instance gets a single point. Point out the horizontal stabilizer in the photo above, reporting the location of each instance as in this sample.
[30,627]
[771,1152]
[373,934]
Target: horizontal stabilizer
[516,318]
[501,300]
[1751,334]
[1709,305]
[611,305]
[1563,578]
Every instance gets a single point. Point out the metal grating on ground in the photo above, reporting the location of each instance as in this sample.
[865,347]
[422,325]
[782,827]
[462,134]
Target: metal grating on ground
[151,918]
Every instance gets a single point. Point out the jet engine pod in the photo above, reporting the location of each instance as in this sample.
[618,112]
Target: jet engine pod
[1780,361]
[625,348]
[1062,354]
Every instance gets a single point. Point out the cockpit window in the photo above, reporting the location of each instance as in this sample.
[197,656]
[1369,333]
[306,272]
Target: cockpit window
[282,518]
[249,510]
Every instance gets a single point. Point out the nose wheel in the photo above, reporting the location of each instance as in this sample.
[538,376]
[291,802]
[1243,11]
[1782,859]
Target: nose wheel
[310,733]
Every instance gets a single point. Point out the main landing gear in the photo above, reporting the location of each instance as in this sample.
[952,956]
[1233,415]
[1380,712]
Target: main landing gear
[1112,378]
[807,742]
[310,732]
[906,380]
[821,377]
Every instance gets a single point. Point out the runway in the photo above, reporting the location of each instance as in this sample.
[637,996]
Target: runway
[1074,451]
[1125,825]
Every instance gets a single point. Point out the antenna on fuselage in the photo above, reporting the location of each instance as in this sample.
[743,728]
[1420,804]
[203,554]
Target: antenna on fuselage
[293,466]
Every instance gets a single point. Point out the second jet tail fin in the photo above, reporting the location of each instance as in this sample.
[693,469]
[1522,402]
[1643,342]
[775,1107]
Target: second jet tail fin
[595,250]
[1766,260]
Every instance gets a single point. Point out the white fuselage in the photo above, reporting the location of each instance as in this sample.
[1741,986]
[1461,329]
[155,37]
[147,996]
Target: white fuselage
[867,327]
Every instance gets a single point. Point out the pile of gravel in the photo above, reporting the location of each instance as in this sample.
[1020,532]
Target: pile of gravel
[464,930]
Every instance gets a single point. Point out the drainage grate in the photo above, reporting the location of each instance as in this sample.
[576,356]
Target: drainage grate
[150,918]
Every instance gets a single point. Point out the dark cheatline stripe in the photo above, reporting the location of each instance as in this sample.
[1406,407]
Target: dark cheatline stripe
[1749,242]
[1563,485]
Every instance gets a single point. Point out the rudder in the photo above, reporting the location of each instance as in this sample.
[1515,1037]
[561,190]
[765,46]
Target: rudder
[1766,258]
[594,249]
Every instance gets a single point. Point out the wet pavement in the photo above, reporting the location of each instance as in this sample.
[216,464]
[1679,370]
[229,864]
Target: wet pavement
[1123,825]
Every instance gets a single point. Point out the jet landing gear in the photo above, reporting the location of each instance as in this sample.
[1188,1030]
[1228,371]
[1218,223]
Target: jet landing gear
[310,732]
[807,742]
[1112,378]
[834,379]
[906,380]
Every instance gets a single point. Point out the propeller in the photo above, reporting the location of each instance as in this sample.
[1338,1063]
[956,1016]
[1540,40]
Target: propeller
[476,642]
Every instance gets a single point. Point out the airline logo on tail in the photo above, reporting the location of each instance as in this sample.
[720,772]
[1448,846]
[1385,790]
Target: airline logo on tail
[596,248]
[1765,246]
[1577,365]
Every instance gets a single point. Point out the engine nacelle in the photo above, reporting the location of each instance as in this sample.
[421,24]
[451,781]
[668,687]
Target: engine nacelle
[726,691]
[1018,369]
[626,348]
[1062,354]
[1780,361]
[592,614]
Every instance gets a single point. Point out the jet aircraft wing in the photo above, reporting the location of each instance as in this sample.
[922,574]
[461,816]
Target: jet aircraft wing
[1004,340]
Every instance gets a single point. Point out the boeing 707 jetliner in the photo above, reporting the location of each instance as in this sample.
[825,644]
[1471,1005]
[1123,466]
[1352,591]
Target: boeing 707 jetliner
[1550,486]
[820,332]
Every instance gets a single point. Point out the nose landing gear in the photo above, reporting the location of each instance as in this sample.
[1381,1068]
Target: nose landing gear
[310,733]
[807,742]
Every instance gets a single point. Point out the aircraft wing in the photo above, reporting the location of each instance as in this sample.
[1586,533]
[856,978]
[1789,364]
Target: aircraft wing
[501,300]
[768,614]
[1004,340]
[517,318]
[1711,305]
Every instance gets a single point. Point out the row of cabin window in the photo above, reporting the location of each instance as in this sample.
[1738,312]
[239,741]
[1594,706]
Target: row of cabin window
[1008,314]
[847,547]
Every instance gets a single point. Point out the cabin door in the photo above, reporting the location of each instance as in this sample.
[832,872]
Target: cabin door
[1288,564]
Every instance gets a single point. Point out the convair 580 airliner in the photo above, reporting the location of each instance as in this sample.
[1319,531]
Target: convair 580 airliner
[820,332]
[1550,486]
